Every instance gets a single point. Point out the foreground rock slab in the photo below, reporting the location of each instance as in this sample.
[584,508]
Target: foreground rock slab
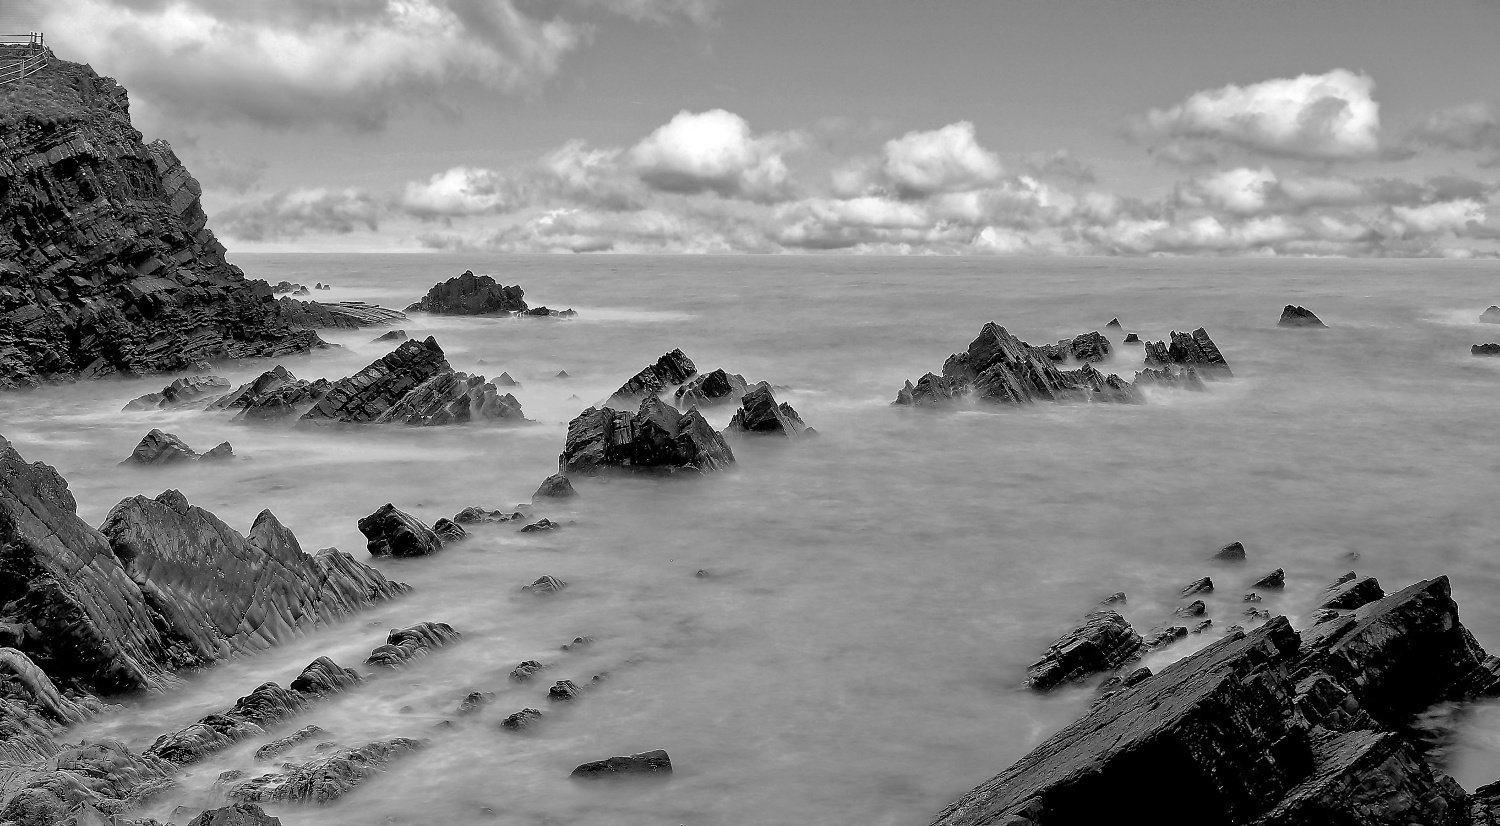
[1103,643]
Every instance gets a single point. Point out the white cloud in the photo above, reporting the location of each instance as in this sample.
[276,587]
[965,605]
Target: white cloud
[715,151]
[949,159]
[1242,191]
[299,212]
[1447,216]
[461,190]
[1328,116]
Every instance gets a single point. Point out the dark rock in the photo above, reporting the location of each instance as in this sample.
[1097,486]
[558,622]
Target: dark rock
[448,530]
[1345,577]
[284,287]
[564,691]
[523,720]
[711,390]
[1132,338]
[471,516]
[237,814]
[1169,376]
[390,532]
[541,525]
[471,294]
[1117,598]
[1000,368]
[1114,324]
[545,585]
[525,671]
[1090,347]
[190,390]
[1369,777]
[506,381]
[1233,552]
[555,486]
[325,778]
[273,395]
[276,747]
[671,369]
[1164,637]
[562,374]
[647,762]
[1194,348]
[578,642]
[161,448]
[1251,597]
[1490,315]
[1202,626]
[1276,579]
[1353,594]
[403,645]
[453,398]
[415,385]
[323,677]
[1199,586]
[1196,608]
[1103,643]
[394,335]
[1485,350]
[932,390]
[657,438]
[760,414]
[475,702]
[1298,317]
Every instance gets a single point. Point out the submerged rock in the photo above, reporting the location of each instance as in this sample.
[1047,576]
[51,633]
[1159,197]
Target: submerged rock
[1275,579]
[470,294]
[555,486]
[1298,317]
[1169,376]
[711,390]
[403,645]
[394,335]
[325,778]
[647,762]
[525,671]
[474,516]
[161,448]
[391,532]
[1233,552]
[543,524]
[1132,338]
[1203,585]
[1103,643]
[564,691]
[657,438]
[475,702]
[184,391]
[545,585]
[671,369]
[759,414]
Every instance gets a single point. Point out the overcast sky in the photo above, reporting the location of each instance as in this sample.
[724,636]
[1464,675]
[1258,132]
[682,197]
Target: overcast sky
[1337,127]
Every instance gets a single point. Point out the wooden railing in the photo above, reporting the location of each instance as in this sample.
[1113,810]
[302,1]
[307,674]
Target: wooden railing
[21,55]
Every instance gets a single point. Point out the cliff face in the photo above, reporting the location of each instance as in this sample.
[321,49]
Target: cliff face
[106,261]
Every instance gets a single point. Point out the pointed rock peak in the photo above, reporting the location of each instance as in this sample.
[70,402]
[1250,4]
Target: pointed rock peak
[174,499]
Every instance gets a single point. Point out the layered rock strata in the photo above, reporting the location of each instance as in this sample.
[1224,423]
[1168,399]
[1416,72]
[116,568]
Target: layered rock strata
[759,414]
[272,396]
[712,389]
[181,392]
[413,384]
[325,778]
[656,438]
[161,448]
[671,369]
[1194,348]
[403,645]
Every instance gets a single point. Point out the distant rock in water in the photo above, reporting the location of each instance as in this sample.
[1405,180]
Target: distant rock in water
[1194,348]
[106,259]
[1485,350]
[1491,315]
[506,381]
[1103,643]
[999,368]
[544,312]
[1233,552]
[759,414]
[555,486]
[413,385]
[471,294]
[1299,317]
[448,530]
[671,369]
[656,438]
[711,390]
[1169,376]
[161,448]
[394,335]
[327,777]
[1132,338]
[184,391]
[562,374]
[272,396]
[647,763]
[472,516]
[391,532]
[1114,324]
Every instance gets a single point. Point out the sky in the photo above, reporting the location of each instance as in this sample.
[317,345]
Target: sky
[1006,127]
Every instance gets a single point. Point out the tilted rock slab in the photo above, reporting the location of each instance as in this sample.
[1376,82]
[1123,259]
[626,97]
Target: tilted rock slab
[415,385]
[760,414]
[1295,316]
[712,389]
[393,532]
[657,438]
[161,448]
[403,645]
[1103,643]
[671,369]
[1194,348]
[189,390]
[274,394]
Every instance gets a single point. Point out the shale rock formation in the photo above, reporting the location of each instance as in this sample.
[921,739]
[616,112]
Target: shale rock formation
[673,368]
[471,294]
[161,586]
[1195,349]
[161,448]
[325,778]
[106,261]
[273,395]
[415,385]
[656,438]
[182,392]
[1266,727]
[1293,316]
[759,414]
[712,389]
[1001,369]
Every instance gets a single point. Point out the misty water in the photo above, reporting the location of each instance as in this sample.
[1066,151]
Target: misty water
[856,651]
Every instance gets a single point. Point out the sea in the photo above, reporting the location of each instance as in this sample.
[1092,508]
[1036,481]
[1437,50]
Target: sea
[835,630]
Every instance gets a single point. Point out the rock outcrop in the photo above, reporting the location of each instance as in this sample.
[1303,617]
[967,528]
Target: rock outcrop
[1266,727]
[759,414]
[671,369]
[107,264]
[1103,643]
[162,448]
[392,532]
[184,391]
[471,294]
[1001,369]
[1294,316]
[403,645]
[555,486]
[237,814]
[647,762]
[414,385]
[656,439]
[711,390]
[1491,315]
[1194,348]
[1485,350]
[325,778]
[272,396]
[347,315]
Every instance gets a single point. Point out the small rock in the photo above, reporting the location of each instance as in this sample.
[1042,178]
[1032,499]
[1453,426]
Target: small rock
[1196,608]
[1202,626]
[1114,324]
[555,486]
[1117,598]
[525,671]
[543,524]
[564,691]
[1298,317]
[578,642]
[1165,637]
[394,335]
[523,720]
[391,532]
[276,747]
[1132,338]
[545,585]
[1491,315]
[161,448]
[236,814]
[1275,579]
[563,374]
[1233,552]
[475,702]
[647,762]
[470,516]
[506,381]
[1256,613]
[1199,586]
[1252,597]
[1485,350]
[448,530]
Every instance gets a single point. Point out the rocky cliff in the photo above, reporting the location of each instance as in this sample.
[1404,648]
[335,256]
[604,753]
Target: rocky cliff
[107,264]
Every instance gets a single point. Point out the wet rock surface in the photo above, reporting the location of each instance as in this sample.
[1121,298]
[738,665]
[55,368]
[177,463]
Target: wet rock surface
[711,390]
[1294,316]
[392,532]
[161,448]
[647,762]
[181,392]
[656,439]
[1103,643]
[412,385]
[403,645]
[274,395]
[1194,348]
[760,415]
[555,486]
[671,369]
[327,777]
[470,294]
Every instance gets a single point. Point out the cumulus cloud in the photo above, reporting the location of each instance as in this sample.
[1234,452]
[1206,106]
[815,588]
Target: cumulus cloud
[458,191]
[1332,116]
[294,213]
[949,159]
[1474,128]
[715,151]
[701,12]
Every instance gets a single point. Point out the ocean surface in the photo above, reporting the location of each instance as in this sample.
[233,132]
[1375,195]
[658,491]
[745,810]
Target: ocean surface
[855,653]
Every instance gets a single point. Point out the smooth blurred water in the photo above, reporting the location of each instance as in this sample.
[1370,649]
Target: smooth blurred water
[856,655]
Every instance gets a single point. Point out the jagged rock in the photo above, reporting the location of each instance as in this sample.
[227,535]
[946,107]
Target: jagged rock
[391,532]
[760,414]
[1196,608]
[1000,368]
[161,448]
[712,389]
[106,261]
[448,530]
[1369,777]
[525,671]
[1194,348]
[184,391]
[394,335]
[277,747]
[325,778]
[347,315]
[472,516]
[405,644]
[1164,637]
[506,381]
[523,720]
[564,691]
[1090,347]
[273,395]
[647,762]
[1251,597]
[1114,324]
[453,398]
[555,486]
[372,391]
[545,585]
[1299,317]
[1275,579]
[1233,552]
[1170,376]
[475,702]
[541,525]
[1344,577]
[236,814]
[1104,642]
[1353,594]
[671,369]
[1490,315]
[544,312]
[1117,598]
[82,594]
[104,775]
[471,294]
[267,705]
[285,287]
[1203,585]
[323,677]
[1485,350]
[218,453]
[1132,338]
[657,438]
[932,390]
